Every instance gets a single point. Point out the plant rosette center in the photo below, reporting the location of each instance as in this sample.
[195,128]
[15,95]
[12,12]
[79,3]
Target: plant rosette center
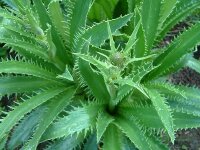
[117,59]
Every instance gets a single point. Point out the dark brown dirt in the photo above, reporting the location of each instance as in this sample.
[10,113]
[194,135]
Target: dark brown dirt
[187,140]
[186,76]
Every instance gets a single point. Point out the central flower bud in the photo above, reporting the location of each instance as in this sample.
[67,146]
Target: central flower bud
[117,59]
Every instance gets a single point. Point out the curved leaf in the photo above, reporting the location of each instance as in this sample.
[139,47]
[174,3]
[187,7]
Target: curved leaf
[19,111]
[45,20]
[166,9]
[54,107]
[178,48]
[103,122]
[183,9]
[98,33]
[91,143]
[193,64]
[78,120]
[149,118]
[9,3]
[112,138]
[94,81]
[23,131]
[150,19]
[163,111]
[134,132]
[57,18]
[29,47]
[20,67]
[102,10]
[156,144]
[69,143]
[77,19]
[19,84]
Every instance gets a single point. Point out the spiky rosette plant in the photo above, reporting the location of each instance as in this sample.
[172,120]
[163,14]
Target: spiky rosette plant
[95,87]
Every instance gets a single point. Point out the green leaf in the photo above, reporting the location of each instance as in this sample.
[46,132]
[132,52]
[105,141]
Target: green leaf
[191,105]
[134,132]
[91,143]
[103,122]
[69,143]
[140,48]
[127,144]
[112,43]
[12,29]
[182,10]
[102,10]
[167,88]
[132,5]
[23,108]
[150,20]
[20,67]
[134,60]
[93,79]
[155,143]
[57,18]
[43,14]
[112,138]
[176,50]
[166,9]
[19,84]
[9,3]
[102,66]
[77,19]
[179,64]
[3,52]
[100,53]
[3,143]
[121,8]
[55,106]
[191,93]
[66,75]
[193,64]
[48,65]
[149,118]
[52,50]
[45,20]
[21,4]
[23,131]
[122,92]
[141,72]
[79,119]
[26,46]
[98,33]
[7,15]
[163,111]
[97,13]
[147,115]
[185,121]
[137,86]
[181,105]
[132,39]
